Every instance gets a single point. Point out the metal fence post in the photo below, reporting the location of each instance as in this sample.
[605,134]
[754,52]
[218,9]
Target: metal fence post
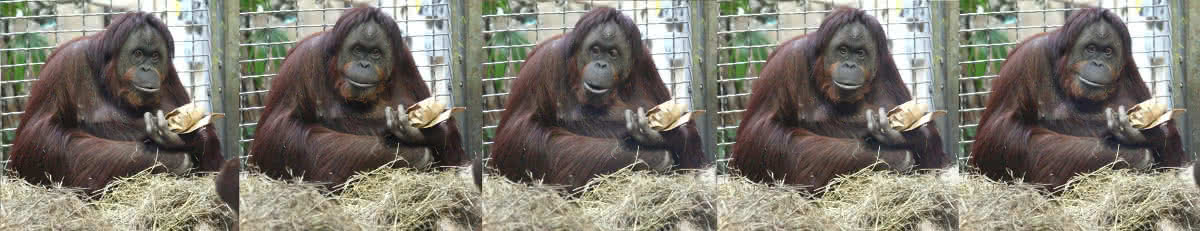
[1185,81]
[944,33]
[704,76]
[466,80]
[223,74]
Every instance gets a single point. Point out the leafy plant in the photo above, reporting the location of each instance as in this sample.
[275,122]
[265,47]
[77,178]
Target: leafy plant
[268,57]
[747,58]
[980,54]
[514,43]
[754,47]
[493,7]
[24,55]
[10,9]
[512,48]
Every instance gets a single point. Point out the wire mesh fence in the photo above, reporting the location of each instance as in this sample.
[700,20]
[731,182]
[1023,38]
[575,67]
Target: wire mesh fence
[996,28]
[269,28]
[515,27]
[30,31]
[749,30]
[746,32]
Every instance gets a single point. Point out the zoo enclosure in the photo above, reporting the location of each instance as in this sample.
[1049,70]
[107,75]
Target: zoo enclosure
[267,29]
[709,61]
[990,33]
[749,30]
[30,30]
[960,53]
[511,30]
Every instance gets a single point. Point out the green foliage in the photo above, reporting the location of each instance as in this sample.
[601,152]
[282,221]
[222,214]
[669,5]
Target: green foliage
[985,52]
[969,6]
[267,58]
[514,43]
[26,63]
[515,49]
[744,57]
[10,9]
[745,60]
[507,59]
[252,5]
[731,7]
[979,50]
[492,7]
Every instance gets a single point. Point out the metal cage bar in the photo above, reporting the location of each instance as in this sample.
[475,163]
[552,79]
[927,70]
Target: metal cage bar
[225,42]
[268,31]
[467,86]
[945,59]
[1186,75]
[1001,29]
[40,26]
[704,75]
[746,34]
[512,32]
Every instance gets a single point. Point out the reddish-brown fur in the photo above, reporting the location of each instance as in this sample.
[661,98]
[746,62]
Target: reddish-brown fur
[81,128]
[794,132]
[310,129]
[534,139]
[1031,129]
[226,183]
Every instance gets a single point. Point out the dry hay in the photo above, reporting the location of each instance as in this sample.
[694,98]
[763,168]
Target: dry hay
[745,205]
[517,206]
[140,202]
[625,200]
[31,207]
[1103,200]
[382,199]
[882,200]
[1126,200]
[402,199]
[269,204]
[991,205]
[865,200]
[165,202]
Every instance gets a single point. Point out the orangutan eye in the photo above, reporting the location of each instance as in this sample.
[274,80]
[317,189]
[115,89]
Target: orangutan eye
[376,54]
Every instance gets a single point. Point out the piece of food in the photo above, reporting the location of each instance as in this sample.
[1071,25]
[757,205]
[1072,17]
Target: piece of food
[667,116]
[1150,114]
[911,115]
[189,118]
[429,112]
